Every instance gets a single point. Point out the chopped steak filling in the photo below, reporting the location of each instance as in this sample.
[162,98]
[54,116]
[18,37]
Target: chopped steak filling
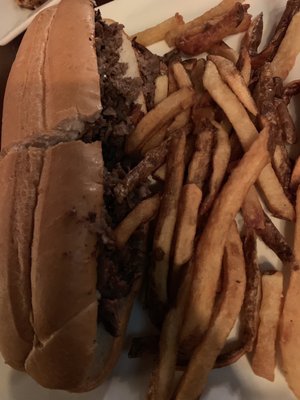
[117,270]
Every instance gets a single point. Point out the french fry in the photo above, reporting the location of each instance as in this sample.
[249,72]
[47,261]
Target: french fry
[289,334]
[189,64]
[290,90]
[167,217]
[198,168]
[163,375]
[173,87]
[181,76]
[253,36]
[295,178]
[286,122]
[220,161]
[200,38]
[268,182]
[264,357]
[152,161]
[194,379]
[223,7]
[282,166]
[155,140]
[244,65]
[209,251]
[197,75]
[292,6]
[222,49]
[157,33]
[252,211]
[256,219]
[158,117]
[161,88]
[186,226]
[289,48]
[141,214]
[234,80]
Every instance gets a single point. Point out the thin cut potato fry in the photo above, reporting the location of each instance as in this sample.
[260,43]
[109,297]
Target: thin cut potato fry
[167,216]
[197,75]
[155,140]
[223,7]
[289,48]
[234,80]
[157,33]
[290,90]
[163,375]
[245,68]
[179,121]
[276,199]
[209,251]
[222,49]
[286,122]
[295,178]
[289,334]
[185,232]
[181,76]
[220,161]
[199,165]
[173,87]
[161,88]
[200,38]
[252,211]
[264,357]
[194,379]
[141,214]
[158,117]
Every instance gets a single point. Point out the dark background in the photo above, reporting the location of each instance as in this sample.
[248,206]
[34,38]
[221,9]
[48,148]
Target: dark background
[7,56]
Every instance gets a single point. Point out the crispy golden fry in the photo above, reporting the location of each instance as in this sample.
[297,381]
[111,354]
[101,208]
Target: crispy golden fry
[152,161]
[181,120]
[276,199]
[252,211]
[209,251]
[286,122]
[181,76]
[199,165]
[200,38]
[157,33]
[289,334]
[289,48]
[161,88]
[222,49]
[234,80]
[155,140]
[264,355]
[167,216]
[292,6]
[223,7]
[295,178]
[220,161]
[163,375]
[158,117]
[194,379]
[141,214]
[290,90]
[186,226]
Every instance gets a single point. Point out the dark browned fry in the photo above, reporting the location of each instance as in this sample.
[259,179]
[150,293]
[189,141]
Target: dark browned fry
[197,75]
[153,160]
[286,122]
[290,90]
[222,49]
[189,64]
[292,6]
[172,81]
[250,309]
[253,213]
[230,357]
[200,38]
[278,85]
[282,167]
[200,162]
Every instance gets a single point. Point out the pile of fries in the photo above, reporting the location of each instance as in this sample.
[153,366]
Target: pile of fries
[217,141]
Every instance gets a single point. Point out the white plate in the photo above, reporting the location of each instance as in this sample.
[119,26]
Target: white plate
[130,377]
[14,19]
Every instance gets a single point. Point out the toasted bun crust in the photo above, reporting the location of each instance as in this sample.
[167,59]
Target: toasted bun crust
[46,92]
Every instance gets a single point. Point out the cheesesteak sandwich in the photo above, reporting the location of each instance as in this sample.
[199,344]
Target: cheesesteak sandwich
[74,94]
